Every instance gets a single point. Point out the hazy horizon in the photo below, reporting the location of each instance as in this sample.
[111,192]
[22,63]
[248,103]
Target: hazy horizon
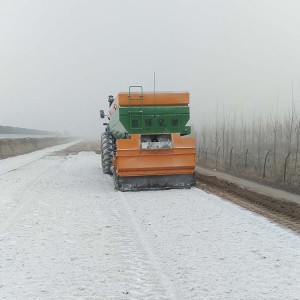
[61,59]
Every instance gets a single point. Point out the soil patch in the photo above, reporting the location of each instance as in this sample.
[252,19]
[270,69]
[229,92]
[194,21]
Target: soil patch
[89,145]
[264,181]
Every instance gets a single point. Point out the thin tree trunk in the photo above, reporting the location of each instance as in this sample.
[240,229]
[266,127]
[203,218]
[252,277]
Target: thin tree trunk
[297,146]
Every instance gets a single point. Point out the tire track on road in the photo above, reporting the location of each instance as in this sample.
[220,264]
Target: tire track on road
[27,195]
[145,279]
[164,280]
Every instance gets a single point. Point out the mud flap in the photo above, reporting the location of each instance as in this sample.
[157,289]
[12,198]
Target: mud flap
[155,182]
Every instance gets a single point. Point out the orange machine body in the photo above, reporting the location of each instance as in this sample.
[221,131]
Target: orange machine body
[150,98]
[147,145]
[132,160]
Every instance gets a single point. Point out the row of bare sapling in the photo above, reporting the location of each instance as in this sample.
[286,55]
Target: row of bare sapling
[260,147]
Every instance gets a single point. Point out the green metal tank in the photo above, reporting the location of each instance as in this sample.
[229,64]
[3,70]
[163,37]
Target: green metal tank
[149,113]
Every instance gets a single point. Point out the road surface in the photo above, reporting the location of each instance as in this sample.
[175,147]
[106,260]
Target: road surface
[65,233]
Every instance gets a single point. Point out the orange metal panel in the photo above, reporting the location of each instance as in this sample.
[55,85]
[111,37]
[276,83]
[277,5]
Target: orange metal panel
[183,141]
[129,144]
[131,160]
[158,162]
[153,99]
[154,172]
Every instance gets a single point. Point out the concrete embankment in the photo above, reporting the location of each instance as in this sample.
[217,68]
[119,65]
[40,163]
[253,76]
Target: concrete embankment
[14,147]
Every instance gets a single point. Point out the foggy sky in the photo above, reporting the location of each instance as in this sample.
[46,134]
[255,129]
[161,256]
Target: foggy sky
[60,59]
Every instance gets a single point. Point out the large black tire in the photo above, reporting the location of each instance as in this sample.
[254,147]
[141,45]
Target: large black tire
[107,152]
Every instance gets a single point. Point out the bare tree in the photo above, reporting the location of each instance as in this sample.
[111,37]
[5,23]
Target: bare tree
[251,140]
[289,123]
[297,134]
[275,132]
[223,131]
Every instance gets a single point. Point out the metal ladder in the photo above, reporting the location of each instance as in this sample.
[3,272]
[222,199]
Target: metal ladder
[134,101]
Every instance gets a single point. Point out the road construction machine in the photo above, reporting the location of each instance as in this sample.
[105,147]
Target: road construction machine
[147,144]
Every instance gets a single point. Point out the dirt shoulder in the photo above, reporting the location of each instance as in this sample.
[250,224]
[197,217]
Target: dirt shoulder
[89,145]
[19,146]
[283,212]
[263,188]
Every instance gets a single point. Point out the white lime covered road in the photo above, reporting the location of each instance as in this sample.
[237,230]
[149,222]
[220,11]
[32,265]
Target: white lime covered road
[65,233]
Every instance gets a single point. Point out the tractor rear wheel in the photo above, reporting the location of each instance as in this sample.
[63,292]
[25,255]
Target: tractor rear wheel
[107,152]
